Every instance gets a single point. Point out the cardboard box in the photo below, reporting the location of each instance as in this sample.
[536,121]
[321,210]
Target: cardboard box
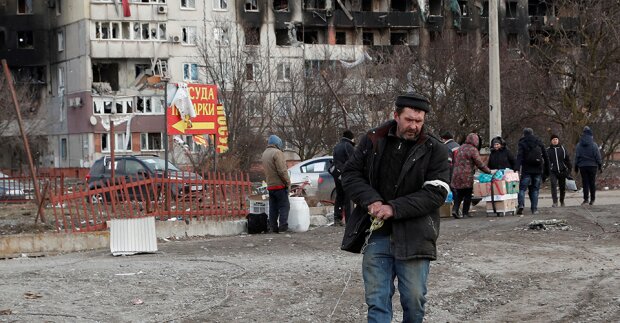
[482,189]
[499,188]
[259,203]
[512,187]
[511,177]
[502,206]
[445,211]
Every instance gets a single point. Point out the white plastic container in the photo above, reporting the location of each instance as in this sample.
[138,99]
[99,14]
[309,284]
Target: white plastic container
[299,214]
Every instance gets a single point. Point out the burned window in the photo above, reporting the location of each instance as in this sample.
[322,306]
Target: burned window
[341,38]
[252,36]
[398,6]
[398,38]
[537,7]
[511,9]
[366,5]
[485,9]
[251,5]
[280,5]
[282,38]
[25,39]
[513,40]
[434,8]
[464,8]
[29,74]
[106,73]
[24,7]
[311,37]
[368,39]
[314,4]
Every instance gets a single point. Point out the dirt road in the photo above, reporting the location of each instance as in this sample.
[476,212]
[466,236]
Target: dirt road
[489,270]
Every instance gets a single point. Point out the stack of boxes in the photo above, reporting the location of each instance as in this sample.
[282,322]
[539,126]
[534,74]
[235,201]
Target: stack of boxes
[501,193]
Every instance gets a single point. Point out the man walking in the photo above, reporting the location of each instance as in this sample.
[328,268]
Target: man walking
[398,175]
[278,182]
[342,151]
[560,165]
[452,146]
[533,165]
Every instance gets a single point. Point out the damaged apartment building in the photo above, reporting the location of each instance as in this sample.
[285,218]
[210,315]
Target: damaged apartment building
[102,60]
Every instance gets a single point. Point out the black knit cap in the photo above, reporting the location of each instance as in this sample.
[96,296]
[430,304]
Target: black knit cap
[553,136]
[413,100]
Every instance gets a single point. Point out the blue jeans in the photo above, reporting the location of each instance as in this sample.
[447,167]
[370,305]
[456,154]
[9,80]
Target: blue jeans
[531,183]
[379,268]
[279,207]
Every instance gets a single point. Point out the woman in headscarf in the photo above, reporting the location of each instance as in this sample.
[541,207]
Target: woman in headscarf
[466,158]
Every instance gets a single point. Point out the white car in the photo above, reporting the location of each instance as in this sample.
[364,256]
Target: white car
[309,170]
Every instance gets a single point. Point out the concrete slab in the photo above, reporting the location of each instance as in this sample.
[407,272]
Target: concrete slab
[50,243]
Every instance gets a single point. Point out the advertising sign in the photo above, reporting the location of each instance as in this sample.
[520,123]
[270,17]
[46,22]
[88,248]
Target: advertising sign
[203,119]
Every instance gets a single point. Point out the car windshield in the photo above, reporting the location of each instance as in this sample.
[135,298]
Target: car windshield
[156,164]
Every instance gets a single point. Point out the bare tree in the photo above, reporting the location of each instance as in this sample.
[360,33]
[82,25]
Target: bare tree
[578,63]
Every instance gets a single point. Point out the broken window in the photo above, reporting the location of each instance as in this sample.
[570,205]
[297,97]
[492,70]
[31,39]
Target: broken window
[29,74]
[150,141]
[284,72]
[252,36]
[280,5]
[189,35]
[220,4]
[398,6]
[314,4]
[116,30]
[126,30]
[61,40]
[251,72]
[341,38]
[311,37]
[282,38]
[464,8]
[434,8]
[398,38]
[142,68]
[485,9]
[106,73]
[25,39]
[188,4]
[366,5]
[251,5]
[121,143]
[190,72]
[24,7]
[537,7]
[368,39]
[2,39]
[221,36]
[511,9]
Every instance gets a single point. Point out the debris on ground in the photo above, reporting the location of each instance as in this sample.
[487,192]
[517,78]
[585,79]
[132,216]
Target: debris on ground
[551,224]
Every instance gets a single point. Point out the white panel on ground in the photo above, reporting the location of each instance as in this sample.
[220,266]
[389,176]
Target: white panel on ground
[131,236]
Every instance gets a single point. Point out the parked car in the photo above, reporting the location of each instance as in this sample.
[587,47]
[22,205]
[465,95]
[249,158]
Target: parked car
[138,167]
[11,189]
[309,170]
[326,188]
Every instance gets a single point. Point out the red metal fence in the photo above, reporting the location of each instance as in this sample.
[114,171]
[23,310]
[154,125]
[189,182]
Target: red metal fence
[183,196]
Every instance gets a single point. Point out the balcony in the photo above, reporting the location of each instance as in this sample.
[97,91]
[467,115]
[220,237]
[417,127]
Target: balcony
[315,18]
[129,49]
[434,23]
[367,19]
[139,11]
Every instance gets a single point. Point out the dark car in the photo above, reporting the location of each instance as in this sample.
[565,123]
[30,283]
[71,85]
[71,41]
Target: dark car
[139,167]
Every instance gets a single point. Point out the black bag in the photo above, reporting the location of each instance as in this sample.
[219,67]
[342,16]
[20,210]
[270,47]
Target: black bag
[257,223]
[355,231]
[534,156]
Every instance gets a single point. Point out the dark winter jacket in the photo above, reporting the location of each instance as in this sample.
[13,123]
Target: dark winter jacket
[342,151]
[587,153]
[466,159]
[526,144]
[452,147]
[420,190]
[502,158]
[559,161]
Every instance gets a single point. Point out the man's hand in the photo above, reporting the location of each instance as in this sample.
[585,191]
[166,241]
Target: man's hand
[381,211]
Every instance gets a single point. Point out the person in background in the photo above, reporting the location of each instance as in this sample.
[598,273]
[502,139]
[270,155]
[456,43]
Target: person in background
[448,140]
[342,151]
[466,158]
[398,175]
[501,157]
[533,164]
[560,165]
[587,160]
[278,183]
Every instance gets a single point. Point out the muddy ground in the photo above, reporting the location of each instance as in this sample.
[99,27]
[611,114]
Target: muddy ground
[489,270]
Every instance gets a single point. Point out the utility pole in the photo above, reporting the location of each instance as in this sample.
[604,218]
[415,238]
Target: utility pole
[495,103]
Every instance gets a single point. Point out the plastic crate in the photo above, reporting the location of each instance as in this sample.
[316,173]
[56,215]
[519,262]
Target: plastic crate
[257,206]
